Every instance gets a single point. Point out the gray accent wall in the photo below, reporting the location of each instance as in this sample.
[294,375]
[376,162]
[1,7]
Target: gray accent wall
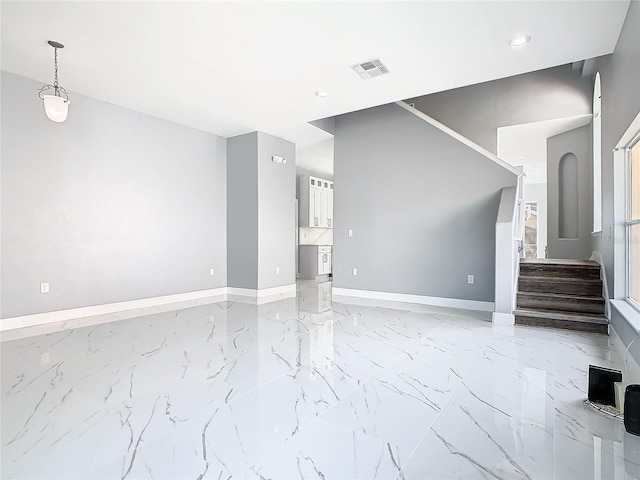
[109,206]
[261,212]
[327,124]
[304,171]
[620,80]
[569,194]
[242,211]
[422,207]
[477,111]
[620,77]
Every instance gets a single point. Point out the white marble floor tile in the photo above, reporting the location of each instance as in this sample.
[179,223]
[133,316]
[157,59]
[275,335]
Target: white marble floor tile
[324,450]
[397,415]
[367,389]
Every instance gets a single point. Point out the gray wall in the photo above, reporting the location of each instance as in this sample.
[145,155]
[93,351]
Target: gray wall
[569,197]
[421,204]
[619,74]
[276,212]
[478,110]
[111,205]
[261,211]
[242,211]
[327,124]
[304,171]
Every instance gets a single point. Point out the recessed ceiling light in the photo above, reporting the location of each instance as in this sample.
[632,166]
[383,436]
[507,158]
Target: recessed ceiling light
[519,41]
[322,93]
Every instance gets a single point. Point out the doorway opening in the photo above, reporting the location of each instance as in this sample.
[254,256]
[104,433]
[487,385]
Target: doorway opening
[531,230]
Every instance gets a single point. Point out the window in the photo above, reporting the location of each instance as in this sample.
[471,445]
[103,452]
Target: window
[633,221]
[597,155]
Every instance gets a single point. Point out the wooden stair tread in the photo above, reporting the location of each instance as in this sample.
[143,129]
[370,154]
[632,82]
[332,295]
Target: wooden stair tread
[560,262]
[537,278]
[563,296]
[560,269]
[559,293]
[560,315]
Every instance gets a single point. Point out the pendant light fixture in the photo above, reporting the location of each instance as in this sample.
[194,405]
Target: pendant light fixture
[56,106]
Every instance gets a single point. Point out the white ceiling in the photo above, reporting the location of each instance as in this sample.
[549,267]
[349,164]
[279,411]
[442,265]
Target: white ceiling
[235,67]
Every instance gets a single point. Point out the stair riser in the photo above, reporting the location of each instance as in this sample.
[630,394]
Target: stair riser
[565,305]
[562,324]
[537,270]
[563,287]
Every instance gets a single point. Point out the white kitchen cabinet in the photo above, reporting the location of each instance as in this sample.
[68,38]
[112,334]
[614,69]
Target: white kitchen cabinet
[316,202]
[315,261]
[324,260]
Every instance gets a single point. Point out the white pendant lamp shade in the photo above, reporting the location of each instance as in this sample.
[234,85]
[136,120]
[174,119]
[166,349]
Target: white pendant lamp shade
[56,107]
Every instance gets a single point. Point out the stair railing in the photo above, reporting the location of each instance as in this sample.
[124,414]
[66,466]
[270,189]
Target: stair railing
[510,227]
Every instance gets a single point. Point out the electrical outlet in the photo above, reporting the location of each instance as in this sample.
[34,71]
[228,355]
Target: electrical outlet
[354,272]
[351,233]
[212,271]
[470,279]
[355,319]
[44,358]
[277,316]
[277,269]
[44,287]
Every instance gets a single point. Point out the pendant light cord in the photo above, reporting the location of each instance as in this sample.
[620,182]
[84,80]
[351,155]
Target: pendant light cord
[55,71]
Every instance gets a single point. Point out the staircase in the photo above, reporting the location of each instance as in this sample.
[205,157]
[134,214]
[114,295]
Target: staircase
[561,294]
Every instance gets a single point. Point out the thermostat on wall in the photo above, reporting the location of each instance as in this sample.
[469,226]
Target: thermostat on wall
[278,159]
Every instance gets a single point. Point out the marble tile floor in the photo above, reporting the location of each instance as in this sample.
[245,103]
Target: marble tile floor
[282,390]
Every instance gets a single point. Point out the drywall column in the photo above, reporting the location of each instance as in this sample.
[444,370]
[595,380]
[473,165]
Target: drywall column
[242,211]
[260,212]
[569,194]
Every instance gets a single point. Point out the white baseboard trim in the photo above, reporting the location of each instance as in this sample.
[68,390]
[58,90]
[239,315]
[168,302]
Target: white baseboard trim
[420,299]
[503,318]
[39,319]
[633,373]
[264,292]
[12,323]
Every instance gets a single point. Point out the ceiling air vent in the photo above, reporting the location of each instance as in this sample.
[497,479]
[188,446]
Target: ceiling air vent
[370,69]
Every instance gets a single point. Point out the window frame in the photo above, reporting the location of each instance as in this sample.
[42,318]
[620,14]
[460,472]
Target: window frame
[628,221]
[597,155]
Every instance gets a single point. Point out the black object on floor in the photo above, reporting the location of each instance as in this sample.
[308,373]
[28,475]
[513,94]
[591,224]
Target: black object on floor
[601,382]
[632,409]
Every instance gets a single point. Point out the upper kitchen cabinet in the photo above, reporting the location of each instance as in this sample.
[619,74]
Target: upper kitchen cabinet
[316,202]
